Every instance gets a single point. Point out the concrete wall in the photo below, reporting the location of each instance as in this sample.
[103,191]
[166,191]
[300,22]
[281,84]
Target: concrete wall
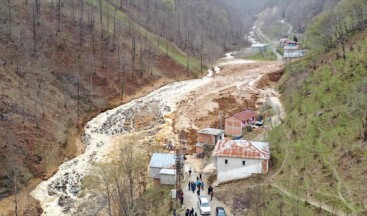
[251,165]
[168,179]
[233,127]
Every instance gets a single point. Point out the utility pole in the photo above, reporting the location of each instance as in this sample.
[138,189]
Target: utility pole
[221,120]
[178,156]
[179,164]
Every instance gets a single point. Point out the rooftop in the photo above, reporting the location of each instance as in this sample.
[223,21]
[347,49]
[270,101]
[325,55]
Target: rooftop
[242,149]
[167,172]
[245,115]
[211,131]
[160,160]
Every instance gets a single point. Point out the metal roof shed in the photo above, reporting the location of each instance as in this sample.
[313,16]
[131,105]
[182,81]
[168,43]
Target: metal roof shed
[168,176]
[160,161]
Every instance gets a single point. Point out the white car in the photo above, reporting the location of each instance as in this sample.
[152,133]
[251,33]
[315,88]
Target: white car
[203,204]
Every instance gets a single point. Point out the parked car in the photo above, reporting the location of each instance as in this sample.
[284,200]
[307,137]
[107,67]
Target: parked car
[219,211]
[203,204]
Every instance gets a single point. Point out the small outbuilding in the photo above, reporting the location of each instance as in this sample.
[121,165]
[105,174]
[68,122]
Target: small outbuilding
[208,136]
[167,176]
[237,159]
[163,166]
[234,124]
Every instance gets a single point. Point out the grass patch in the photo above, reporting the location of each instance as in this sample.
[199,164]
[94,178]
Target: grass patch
[156,201]
[325,99]
[267,55]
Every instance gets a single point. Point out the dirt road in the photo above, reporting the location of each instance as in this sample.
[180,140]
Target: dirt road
[190,197]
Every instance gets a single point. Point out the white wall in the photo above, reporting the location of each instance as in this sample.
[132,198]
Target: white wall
[168,179]
[251,165]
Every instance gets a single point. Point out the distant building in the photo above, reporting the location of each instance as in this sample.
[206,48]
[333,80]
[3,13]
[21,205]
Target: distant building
[292,50]
[259,47]
[162,168]
[237,159]
[235,123]
[208,136]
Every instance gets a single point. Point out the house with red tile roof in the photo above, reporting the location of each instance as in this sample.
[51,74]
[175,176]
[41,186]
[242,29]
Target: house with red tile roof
[237,159]
[235,123]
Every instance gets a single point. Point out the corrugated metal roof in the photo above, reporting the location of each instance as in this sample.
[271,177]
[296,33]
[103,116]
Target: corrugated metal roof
[161,160]
[242,149]
[211,131]
[245,115]
[168,172]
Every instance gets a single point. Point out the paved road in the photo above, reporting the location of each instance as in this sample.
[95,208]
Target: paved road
[266,39]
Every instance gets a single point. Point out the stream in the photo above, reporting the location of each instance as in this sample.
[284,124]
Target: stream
[59,194]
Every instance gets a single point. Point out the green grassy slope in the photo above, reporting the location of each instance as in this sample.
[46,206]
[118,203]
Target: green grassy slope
[322,141]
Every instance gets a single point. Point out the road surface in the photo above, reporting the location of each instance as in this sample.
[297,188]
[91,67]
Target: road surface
[266,39]
[191,198]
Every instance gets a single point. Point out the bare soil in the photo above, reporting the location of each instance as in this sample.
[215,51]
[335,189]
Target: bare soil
[229,92]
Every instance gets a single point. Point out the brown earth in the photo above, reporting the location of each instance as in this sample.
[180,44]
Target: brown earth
[228,92]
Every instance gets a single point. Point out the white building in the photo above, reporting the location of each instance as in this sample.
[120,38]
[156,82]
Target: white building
[167,176]
[237,159]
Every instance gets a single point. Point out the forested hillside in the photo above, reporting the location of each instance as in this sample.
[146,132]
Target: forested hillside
[320,149]
[63,61]
[298,13]
[205,28]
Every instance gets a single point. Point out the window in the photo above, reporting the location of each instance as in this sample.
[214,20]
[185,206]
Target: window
[225,161]
[244,163]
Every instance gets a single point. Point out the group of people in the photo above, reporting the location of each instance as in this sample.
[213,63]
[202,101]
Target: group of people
[193,186]
[190,212]
[199,185]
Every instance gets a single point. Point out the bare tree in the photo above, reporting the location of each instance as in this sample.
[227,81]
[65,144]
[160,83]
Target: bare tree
[121,182]
[13,169]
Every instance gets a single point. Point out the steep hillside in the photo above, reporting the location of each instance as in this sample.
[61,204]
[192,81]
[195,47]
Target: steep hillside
[204,28]
[64,61]
[297,13]
[321,148]
[56,74]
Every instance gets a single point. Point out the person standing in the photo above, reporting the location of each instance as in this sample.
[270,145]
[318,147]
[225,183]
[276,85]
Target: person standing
[190,171]
[193,187]
[192,212]
[189,185]
[197,178]
[210,189]
[187,213]
[181,197]
[211,195]
[200,176]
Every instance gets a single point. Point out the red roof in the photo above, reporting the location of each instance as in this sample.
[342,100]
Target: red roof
[245,115]
[242,149]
